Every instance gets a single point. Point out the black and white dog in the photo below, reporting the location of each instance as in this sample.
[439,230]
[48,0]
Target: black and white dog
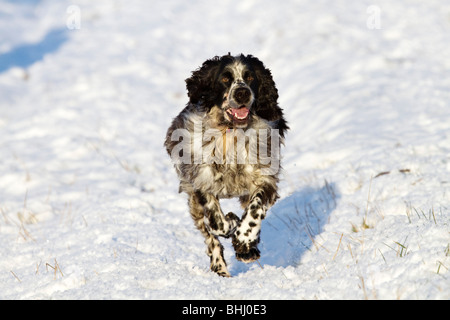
[225,143]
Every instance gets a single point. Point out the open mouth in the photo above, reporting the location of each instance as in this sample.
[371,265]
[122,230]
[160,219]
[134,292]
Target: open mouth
[239,114]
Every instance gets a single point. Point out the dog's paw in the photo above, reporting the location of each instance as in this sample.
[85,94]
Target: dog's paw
[252,255]
[245,252]
[220,269]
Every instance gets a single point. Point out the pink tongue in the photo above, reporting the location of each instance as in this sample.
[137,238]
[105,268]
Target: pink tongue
[241,112]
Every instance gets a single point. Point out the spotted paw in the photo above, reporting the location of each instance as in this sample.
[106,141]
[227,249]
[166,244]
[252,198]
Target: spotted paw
[220,269]
[252,255]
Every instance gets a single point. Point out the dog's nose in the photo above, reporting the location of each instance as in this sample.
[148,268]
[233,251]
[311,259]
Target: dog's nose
[241,95]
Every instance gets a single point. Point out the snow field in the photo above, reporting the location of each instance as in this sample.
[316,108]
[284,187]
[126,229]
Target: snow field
[88,198]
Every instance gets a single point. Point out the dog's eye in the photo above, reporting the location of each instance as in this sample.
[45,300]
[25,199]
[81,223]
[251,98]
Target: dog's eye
[225,79]
[250,78]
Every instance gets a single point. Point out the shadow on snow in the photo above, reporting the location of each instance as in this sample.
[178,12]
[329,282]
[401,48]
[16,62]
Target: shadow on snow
[25,55]
[291,225]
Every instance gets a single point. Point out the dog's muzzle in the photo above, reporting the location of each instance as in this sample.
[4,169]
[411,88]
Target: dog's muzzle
[242,95]
[240,101]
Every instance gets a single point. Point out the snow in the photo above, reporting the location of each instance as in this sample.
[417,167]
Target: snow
[88,197]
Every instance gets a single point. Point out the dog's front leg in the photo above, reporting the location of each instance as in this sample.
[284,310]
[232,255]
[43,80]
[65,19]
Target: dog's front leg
[246,236]
[214,250]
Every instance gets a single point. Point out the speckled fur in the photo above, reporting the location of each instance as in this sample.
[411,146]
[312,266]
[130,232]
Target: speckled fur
[214,165]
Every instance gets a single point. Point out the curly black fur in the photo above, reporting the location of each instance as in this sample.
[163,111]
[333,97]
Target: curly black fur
[205,91]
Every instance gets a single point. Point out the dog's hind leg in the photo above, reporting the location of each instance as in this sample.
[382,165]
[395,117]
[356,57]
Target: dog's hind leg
[214,249]
[216,222]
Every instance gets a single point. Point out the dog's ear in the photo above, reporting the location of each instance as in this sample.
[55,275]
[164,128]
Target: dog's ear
[200,85]
[266,104]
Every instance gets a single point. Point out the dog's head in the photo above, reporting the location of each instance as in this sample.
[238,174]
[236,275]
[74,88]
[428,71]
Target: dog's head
[239,86]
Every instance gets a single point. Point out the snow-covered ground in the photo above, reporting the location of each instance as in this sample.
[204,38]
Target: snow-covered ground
[89,207]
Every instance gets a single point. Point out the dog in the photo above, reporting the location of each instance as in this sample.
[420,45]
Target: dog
[220,145]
